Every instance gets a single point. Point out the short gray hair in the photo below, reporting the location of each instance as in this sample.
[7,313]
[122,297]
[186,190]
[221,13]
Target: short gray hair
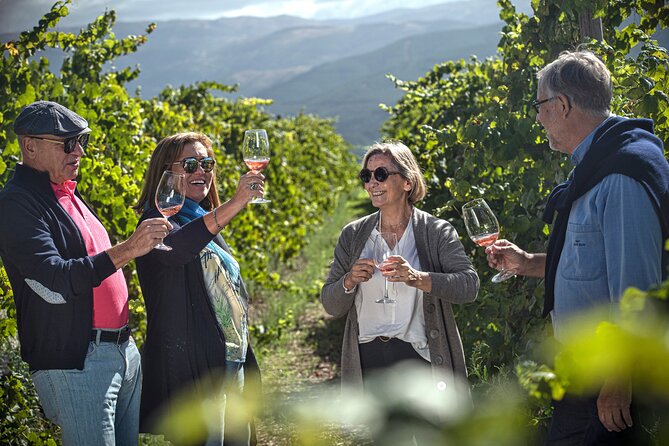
[583,78]
[406,164]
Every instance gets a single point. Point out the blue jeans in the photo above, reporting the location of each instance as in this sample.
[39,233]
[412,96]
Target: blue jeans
[100,404]
[216,403]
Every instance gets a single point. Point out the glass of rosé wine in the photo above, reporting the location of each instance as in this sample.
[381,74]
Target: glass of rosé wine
[255,150]
[170,197]
[483,229]
[385,245]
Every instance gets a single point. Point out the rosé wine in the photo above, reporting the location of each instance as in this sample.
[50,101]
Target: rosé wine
[257,165]
[170,211]
[485,239]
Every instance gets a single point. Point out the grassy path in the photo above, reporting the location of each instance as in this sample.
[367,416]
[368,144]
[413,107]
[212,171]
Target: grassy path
[304,359]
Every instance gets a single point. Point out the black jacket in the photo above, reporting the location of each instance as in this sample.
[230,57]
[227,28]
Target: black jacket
[51,274]
[184,345]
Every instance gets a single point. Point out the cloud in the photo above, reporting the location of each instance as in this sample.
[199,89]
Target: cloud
[19,15]
[359,8]
[324,9]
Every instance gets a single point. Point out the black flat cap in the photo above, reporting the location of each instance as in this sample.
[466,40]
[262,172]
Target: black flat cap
[49,118]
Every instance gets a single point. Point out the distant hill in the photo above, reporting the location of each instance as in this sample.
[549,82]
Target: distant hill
[352,88]
[257,53]
[333,68]
[470,13]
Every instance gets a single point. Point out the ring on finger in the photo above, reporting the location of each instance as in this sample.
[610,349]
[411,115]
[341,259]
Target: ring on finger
[254,186]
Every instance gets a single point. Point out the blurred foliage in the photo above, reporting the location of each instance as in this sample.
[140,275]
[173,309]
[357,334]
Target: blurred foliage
[193,411]
[627,347]
[310,166]
[402,403]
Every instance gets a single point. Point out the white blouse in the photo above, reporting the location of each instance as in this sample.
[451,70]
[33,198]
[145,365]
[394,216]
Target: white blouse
[403,319]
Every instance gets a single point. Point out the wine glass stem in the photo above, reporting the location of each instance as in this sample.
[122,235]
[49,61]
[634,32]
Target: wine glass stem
[385,291]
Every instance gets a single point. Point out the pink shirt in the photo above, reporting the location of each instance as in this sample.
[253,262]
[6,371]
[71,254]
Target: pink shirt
[110,298]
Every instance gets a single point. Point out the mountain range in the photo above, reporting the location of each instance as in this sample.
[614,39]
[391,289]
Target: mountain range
[332,68]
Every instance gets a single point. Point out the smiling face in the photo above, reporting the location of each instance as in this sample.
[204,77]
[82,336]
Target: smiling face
[393,192]
[198,182]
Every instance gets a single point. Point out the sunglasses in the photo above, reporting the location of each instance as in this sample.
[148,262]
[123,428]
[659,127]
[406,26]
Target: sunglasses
[69,144]
[190,164]
[381,174]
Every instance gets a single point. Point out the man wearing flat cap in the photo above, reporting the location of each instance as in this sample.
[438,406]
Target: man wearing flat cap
[70,294]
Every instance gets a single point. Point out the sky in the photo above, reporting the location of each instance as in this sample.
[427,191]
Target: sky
[19,15]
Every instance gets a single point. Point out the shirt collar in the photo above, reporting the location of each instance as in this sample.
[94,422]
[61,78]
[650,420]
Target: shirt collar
[68,187]
[583,147]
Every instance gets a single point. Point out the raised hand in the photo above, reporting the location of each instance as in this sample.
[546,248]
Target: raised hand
[250,186]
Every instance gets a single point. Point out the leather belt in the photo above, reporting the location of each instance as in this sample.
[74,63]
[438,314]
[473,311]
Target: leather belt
[116,336]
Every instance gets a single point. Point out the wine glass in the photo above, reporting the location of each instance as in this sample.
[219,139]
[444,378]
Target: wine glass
[255,150]
[483,229]
[170,197]
[385,246]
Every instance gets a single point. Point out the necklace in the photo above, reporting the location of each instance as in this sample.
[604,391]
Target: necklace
[398,228]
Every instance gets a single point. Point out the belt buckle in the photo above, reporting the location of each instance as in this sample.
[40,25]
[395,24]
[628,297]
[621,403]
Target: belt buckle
[122,332]
[385,338]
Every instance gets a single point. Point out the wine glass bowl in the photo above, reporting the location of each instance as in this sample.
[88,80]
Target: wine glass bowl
[170,197]
[483,228]
[385,245]
[255,151]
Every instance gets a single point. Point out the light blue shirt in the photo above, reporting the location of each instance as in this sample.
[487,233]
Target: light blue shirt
[613,241]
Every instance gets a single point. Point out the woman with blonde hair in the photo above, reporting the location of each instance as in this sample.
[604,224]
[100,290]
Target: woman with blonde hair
[429,273]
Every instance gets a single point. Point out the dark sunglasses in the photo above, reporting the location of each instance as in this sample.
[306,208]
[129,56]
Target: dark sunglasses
[69,144]
[190,164]
[381,174]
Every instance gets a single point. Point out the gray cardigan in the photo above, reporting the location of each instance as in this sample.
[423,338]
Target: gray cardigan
[454,280]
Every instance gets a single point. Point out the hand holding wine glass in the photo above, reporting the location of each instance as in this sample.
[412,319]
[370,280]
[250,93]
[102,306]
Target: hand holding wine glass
[385,245]
[170,197]
[483,228]
[246,190]
[505,255]
[255,150]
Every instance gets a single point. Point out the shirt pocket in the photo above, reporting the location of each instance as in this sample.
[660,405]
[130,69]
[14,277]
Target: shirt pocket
[582,256]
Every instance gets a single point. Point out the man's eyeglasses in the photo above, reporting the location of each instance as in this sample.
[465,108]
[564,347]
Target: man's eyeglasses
[190,164]
[536,104]
[69,144]
[381,174]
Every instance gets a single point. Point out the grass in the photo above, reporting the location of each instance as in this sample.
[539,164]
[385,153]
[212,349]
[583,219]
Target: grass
[304,358]
[276,310]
